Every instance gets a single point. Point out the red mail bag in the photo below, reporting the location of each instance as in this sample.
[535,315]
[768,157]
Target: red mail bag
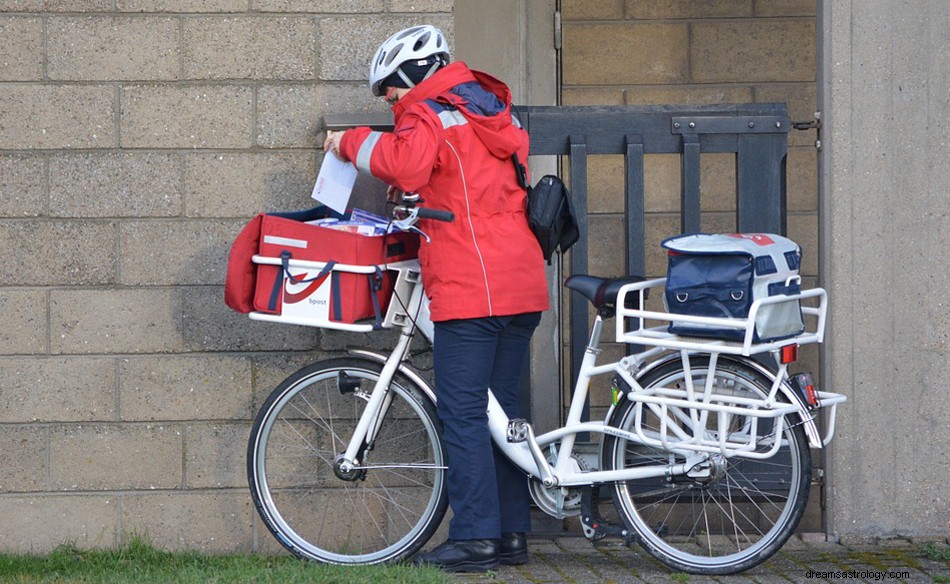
[346,297]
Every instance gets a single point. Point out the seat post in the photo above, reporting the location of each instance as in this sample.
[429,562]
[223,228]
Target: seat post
[593,343]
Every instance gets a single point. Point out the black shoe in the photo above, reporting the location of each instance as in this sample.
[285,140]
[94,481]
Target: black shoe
[468,555]
[514,549]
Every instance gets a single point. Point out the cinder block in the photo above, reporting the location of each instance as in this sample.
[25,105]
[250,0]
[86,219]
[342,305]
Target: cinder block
[291,116]
[24,329]
[60,252]
[592,96]
[752,50]
[639,53]
[216,455]
[209,325]
[57,116]
[345,56]
[606,240]
[245,184]
[38,524]
[658,226]
[181,5]
[192,252]
[96,48]
[663,9]
[688,95]
[717,186]
[204,521]
[661,183]
[325,7]
[249,47]
[718,222]
[22,185]
[785,7]
[185,388]
[23,459]
[186,116]
[57,389]
[109,457]
[116,321]
[21,49]
[55,5]
[606,177]
[270,370]
[592,10]
[115,184]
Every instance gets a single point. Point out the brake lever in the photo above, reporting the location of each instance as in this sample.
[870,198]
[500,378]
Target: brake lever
[408,223]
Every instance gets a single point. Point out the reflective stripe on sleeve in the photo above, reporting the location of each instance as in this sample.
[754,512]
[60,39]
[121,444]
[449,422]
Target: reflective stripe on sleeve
[366,151]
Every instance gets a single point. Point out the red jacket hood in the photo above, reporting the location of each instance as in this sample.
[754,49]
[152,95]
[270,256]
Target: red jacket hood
[484,101]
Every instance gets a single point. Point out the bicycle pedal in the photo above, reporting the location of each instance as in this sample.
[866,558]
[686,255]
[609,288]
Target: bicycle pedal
[517,430]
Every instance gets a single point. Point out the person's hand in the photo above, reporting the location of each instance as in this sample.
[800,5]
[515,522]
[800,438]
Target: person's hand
[393,194]
[332,143]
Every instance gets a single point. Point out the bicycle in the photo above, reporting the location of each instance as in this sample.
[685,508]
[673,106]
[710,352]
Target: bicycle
[704,449]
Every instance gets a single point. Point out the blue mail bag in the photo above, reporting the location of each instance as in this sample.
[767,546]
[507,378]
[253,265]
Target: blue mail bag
[721,275]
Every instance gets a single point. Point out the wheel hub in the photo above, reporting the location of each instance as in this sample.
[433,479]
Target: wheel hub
[710,471]
[345,471]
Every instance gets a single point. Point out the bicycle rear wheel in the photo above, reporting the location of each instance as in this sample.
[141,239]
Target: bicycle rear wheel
[740,514]
[384,511]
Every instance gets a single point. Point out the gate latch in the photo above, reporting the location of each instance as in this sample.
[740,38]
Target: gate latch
[814,124]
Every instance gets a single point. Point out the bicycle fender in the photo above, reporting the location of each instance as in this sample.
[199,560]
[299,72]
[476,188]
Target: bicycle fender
[405,369]
[806,417]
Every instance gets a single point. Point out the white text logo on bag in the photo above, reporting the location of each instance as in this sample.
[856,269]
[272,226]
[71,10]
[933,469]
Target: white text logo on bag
[306,297]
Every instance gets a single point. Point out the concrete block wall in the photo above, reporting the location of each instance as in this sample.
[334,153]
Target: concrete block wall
[652,52]
[136,139]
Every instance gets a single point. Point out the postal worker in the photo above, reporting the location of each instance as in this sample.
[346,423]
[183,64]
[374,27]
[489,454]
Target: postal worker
[453,143]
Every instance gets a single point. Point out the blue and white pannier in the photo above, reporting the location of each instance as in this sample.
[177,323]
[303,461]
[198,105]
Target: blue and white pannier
[721,275]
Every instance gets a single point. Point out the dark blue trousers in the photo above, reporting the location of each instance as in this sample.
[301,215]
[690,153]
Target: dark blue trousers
[488,494]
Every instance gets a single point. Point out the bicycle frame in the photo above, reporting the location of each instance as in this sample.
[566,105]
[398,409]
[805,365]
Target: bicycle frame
[688,409]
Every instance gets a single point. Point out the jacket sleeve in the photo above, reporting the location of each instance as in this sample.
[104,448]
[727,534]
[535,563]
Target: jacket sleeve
[403,158]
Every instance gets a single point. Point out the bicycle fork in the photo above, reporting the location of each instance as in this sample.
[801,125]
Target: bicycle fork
[380,397]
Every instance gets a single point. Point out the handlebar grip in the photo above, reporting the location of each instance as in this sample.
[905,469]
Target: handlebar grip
[436,214]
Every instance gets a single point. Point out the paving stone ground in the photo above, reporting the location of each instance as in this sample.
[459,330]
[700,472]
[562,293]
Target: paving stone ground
[571,559]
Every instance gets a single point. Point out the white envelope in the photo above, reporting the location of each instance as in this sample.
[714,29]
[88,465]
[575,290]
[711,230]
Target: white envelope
[335,183]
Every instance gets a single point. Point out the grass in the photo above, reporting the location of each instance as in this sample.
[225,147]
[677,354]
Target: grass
[937,553]
[141,563]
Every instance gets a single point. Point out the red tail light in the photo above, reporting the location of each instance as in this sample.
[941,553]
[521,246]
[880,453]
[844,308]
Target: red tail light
[789,354]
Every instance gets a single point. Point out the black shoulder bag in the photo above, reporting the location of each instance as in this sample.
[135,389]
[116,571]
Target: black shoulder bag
[551,214]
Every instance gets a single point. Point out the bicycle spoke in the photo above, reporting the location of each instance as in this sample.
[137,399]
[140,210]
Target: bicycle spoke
[384,508]
[727,513]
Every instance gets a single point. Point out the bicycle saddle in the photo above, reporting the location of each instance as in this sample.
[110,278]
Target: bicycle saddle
[602,292]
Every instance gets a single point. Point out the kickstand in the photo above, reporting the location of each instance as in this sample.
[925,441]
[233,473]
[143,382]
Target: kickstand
[594,526]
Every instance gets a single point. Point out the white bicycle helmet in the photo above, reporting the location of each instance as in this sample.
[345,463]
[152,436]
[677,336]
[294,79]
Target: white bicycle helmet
[417,43]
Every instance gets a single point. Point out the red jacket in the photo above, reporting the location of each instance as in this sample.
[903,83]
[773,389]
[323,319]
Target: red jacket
[452,143]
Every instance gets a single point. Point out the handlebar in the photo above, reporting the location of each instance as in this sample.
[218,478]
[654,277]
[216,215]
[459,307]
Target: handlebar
[436,214]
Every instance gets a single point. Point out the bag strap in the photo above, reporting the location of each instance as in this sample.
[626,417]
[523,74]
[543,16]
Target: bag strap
[285,257]
[520,172]
[375,285]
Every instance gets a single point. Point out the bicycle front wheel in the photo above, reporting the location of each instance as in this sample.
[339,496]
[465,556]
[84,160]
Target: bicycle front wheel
[385,509]
[739,512]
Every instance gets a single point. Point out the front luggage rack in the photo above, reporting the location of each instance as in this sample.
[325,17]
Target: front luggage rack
[396,314]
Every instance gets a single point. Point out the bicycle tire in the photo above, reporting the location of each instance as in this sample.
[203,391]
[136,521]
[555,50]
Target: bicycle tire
[720,526]
[384,513]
